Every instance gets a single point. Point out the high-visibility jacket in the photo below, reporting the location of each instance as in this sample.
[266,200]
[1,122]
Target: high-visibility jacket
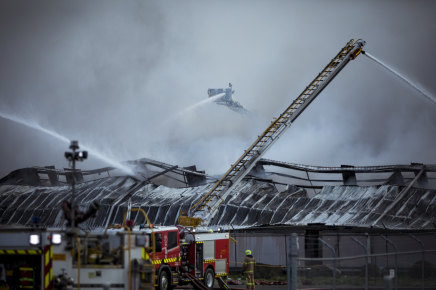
[248,265]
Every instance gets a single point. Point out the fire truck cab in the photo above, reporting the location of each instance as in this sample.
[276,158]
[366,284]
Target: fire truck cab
[183,256]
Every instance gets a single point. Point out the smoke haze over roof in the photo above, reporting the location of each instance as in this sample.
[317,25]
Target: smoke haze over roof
[115,75]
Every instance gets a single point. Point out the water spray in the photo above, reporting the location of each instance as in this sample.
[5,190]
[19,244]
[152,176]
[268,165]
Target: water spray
[52,133]
[194,107]
[400,76]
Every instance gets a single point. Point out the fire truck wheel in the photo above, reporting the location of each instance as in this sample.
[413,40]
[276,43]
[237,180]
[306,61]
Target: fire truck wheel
[209,278]
[164,282]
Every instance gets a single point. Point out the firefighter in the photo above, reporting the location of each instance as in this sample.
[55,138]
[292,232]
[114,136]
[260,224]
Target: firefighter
[148,257]
[248,269]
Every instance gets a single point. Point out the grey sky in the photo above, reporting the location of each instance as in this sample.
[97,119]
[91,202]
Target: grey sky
[115,75]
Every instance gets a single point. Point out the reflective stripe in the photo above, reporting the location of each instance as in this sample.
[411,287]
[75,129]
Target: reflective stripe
[20,252]
[48,267]
[25,269]
[170,260]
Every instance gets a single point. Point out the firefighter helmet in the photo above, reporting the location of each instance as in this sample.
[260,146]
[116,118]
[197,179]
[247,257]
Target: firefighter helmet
[247,252]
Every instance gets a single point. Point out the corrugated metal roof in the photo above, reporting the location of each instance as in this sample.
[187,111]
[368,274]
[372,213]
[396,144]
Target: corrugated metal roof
[253,203]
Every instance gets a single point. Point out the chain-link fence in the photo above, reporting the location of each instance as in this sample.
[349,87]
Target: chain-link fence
[341,261]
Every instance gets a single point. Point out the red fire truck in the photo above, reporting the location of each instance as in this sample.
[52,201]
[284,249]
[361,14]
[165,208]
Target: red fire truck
[183,256]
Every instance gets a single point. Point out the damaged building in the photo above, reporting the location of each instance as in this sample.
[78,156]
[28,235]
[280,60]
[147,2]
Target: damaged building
[346,217]
[274,200]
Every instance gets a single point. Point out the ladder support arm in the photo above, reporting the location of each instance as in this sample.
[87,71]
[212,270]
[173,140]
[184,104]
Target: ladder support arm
[205,207]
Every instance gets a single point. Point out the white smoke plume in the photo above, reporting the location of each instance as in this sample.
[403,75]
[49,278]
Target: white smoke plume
[114,74]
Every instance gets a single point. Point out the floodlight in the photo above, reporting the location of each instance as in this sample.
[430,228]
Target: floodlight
[34,239]
[76,155]
[56,239]
[69,155]
[82,155]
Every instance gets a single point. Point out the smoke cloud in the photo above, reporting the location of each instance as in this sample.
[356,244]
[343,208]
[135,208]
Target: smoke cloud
[117,74]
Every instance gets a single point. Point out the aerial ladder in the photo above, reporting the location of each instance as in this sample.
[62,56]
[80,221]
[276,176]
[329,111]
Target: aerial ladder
[202,211]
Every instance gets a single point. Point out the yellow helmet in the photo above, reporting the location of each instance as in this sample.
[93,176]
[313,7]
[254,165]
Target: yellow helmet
[247,252]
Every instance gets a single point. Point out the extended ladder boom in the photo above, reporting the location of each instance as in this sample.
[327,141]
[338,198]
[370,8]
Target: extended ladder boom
[208,204]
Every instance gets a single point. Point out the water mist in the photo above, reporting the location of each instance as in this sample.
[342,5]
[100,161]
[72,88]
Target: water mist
[96,153]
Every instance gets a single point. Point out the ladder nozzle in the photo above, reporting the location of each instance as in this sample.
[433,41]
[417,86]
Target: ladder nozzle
[356,53]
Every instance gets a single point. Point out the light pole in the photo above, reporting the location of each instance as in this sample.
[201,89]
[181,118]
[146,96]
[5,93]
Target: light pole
[74,156]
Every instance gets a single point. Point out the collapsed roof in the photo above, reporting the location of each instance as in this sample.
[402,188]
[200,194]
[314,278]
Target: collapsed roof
[399,203]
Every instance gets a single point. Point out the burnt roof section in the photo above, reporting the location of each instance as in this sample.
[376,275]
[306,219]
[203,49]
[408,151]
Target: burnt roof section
[255,202]
[145,169]
[317,177]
